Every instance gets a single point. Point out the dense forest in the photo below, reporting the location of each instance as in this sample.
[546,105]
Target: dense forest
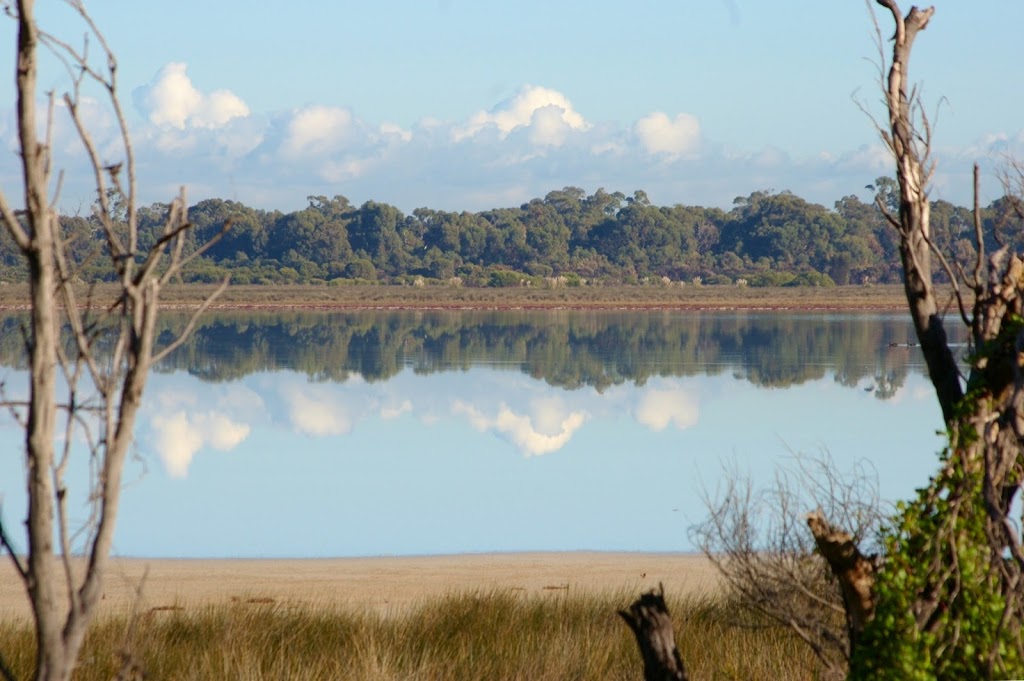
[567,238]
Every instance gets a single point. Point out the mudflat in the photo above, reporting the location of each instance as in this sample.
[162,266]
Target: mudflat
[385,585]
[392,297]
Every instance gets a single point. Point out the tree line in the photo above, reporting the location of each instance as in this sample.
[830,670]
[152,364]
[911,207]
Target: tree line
[566,238]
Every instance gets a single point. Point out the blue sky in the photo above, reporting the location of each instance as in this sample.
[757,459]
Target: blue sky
[461,104]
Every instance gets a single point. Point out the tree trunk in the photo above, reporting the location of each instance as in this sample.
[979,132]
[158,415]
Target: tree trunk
[854,571]
[650,622]
[63,602]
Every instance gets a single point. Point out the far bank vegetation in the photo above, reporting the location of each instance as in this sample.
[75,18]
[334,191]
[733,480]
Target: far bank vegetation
[568,239]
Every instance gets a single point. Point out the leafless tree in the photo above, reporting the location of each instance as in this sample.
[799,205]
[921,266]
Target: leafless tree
[85,386]
[755,538]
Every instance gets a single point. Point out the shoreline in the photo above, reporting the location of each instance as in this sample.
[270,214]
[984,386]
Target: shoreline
[384,585]
[888,298]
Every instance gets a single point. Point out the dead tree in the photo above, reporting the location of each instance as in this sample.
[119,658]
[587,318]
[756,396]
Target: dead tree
[945,596]
[105,356]
[932,554]
[854,571]
[649,620]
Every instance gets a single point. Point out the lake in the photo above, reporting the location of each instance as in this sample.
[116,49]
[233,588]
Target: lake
[304,434]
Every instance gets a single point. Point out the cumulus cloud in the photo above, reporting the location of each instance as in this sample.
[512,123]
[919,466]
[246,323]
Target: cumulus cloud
[659,408]
[178,436]
[171,99]
[659,134]
[317,130]
[548,113]
[315,411]
[548,427]
[519,149]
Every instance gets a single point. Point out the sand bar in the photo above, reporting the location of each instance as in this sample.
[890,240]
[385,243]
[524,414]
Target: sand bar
[387,585]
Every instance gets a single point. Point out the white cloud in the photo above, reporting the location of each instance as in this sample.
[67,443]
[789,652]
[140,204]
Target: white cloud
[548,113]
[549,127]
[178,436]
[315,411]
[317,130]
[659,134]
[172,100]
[395,131]
[519,149]
[546,429]
[390,413]
[659,408]
[349,169]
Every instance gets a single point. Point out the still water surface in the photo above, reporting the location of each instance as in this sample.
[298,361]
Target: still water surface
[350,434]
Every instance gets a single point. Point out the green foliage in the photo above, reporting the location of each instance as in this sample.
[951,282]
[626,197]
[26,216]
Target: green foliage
[811,278]
[606,238]
[504,278]
[573,280]
[361,268]
[937,550]
[770,279]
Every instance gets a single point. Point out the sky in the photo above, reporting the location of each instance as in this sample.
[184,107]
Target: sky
[471,104]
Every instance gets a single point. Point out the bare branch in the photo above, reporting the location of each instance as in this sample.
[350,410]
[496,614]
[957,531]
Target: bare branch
[767,559]
[5,543]
[13,225]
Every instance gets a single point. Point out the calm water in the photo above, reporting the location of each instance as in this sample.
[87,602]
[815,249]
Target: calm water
[305,434]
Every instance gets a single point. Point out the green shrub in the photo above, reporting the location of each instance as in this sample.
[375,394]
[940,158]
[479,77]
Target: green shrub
[505,278]
[766,279]
[811,278]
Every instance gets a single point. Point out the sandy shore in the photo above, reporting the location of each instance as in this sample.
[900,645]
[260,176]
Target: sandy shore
[387,584]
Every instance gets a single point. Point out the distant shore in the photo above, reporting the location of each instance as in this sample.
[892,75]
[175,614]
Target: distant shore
[15,297]
[385,584]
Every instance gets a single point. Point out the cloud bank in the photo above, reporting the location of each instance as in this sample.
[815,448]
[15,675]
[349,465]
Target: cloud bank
[524,146]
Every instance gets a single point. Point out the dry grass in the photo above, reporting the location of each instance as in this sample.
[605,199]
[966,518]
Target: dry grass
[476,635]
[408,297]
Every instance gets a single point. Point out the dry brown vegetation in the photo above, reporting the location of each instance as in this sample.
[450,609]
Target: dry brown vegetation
[604,297]
[472,635]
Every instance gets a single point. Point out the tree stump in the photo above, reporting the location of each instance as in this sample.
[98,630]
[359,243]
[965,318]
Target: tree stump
[650,622]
